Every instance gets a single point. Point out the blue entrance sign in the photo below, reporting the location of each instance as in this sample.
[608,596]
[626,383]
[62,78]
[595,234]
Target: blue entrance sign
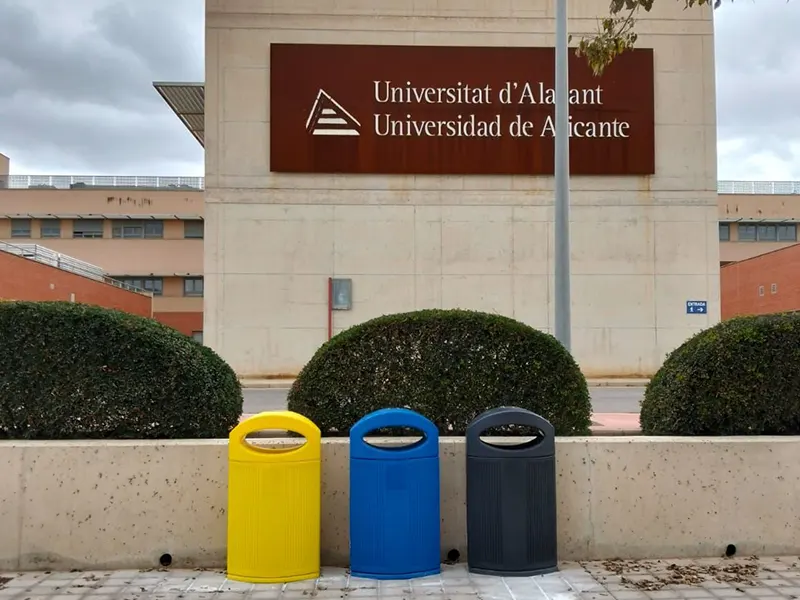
[696,307]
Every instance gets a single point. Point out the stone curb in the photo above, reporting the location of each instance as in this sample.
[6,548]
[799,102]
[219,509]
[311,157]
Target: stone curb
[617,382]
[263,384]
[287,383]
[597,430]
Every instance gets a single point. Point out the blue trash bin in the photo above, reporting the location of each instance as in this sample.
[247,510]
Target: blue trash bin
[394,500]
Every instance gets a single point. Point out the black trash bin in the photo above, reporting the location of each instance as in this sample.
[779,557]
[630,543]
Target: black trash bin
[511,498]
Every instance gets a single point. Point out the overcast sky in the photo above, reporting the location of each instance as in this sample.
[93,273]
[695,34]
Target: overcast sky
[76,93]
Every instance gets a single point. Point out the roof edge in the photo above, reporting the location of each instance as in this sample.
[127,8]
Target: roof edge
[762,255]
[197,89]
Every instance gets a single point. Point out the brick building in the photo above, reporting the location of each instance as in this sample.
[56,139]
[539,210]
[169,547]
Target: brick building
[145,232]
[763,284]
[32,272]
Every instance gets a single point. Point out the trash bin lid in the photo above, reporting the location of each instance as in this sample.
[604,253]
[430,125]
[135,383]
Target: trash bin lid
[541,446]
[240,450]
[427,447]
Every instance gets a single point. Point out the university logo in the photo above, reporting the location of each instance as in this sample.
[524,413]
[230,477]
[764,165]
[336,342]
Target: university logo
[328,117]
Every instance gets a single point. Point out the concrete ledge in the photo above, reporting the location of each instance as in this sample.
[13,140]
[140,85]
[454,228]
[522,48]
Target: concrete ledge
[602,424]
[122,504]
[286,383]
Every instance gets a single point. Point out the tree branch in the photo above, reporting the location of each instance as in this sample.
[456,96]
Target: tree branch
[616,34]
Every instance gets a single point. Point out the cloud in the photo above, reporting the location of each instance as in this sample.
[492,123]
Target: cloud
[758,83]
[77,93]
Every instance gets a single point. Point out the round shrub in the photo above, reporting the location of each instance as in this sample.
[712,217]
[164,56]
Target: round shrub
[740,377]
[74,371]
[448,365]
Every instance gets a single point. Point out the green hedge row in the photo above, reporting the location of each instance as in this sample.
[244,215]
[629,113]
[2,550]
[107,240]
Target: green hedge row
[71,371]
[740,377]
[449,365]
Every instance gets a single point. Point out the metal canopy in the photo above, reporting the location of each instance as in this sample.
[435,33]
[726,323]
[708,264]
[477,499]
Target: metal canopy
[187,100]
[757,220]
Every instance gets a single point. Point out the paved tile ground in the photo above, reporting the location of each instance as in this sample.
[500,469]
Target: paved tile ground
[706,579]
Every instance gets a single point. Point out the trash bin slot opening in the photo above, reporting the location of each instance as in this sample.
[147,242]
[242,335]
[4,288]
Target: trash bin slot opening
[394,438]
[512,436]
[274,441]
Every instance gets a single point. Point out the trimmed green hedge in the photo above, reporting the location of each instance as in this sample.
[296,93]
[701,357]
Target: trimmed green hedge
[449,365]
[75,371]
[740,377]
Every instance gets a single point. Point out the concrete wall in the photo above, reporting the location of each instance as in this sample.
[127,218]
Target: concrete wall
[734,250]
[144,257]
[766,208]
[122,504]
[108,201]
[759,206]
[157,256]
[25,279]
[641,246]
[764,284]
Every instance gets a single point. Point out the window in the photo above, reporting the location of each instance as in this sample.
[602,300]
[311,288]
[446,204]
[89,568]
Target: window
[773,289]
[87,228]
[50,228]
[197,336]
[724,232]
[761,290]
[787,233]
[193,286]
[134,228]
[155,285]
[767,233]
[20,228]
[193,229]
[747,233]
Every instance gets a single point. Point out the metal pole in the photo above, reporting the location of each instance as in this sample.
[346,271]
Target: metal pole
[561,227]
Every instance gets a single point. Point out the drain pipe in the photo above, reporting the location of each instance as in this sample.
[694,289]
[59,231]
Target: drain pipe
[330,307]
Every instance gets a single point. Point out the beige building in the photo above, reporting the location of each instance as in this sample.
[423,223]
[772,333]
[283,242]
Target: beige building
[756,217]
[144,231]
[643,245]
[77,215]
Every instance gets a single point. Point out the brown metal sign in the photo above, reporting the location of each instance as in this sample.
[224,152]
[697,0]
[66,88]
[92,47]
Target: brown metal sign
[434,110]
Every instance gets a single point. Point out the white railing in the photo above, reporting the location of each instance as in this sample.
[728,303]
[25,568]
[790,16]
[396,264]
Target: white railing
[66,182]
[758,187]
[66,263]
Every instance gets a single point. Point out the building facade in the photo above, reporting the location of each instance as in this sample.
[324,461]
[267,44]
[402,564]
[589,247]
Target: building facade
[764,284]
[283,216]
[756,217]
[33,273]
[146,232]
[45,211]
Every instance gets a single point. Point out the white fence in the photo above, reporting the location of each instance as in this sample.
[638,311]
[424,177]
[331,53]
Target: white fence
[66,182]
[65,263]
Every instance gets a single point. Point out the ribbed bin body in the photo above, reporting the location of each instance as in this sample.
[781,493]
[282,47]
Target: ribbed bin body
[511,498]
[394,500]
[274,503]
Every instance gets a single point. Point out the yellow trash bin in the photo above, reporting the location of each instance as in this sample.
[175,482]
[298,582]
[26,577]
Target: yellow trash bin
[274,503]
